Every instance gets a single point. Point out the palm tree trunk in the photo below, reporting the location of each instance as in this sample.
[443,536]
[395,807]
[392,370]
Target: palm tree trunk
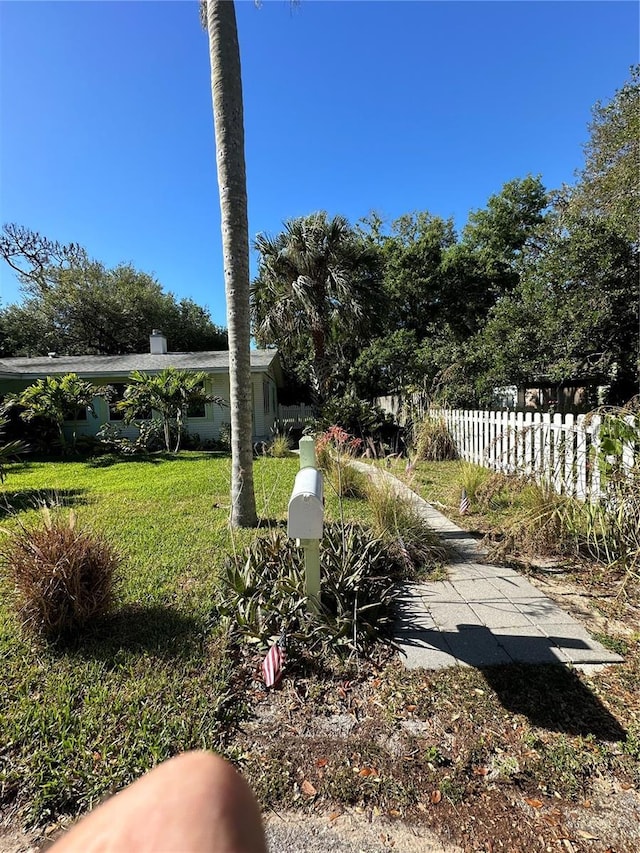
[226,89]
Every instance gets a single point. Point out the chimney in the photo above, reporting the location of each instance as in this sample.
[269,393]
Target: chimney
[158,343]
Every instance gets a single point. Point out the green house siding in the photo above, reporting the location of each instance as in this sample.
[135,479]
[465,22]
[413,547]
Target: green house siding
[16,379]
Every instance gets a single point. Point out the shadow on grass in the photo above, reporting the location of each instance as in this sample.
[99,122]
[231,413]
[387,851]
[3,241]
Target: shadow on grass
[14,502]
[158,630]
[106,460]
[526,669]
[553,697]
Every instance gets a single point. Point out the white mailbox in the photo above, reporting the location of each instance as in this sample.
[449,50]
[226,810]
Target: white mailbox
[306,507]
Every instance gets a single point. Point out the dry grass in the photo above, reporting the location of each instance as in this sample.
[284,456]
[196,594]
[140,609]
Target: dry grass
[63,577]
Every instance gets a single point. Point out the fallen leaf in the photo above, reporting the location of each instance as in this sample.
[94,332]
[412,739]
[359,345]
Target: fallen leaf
[535,804]
[582,833]
[626,786]
[322,762]
[368,771]
[394,813]
[478,691]
[436,797]
[308,789]
[334,815]
[480,771]
[410,708]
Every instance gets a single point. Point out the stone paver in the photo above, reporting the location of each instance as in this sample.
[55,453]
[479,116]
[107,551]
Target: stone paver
[483,615]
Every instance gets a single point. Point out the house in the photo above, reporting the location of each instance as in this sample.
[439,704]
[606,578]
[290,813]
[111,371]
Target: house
[114,370]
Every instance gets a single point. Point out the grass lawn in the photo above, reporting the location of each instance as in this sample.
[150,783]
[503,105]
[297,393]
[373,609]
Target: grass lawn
[507,758]
[156,677]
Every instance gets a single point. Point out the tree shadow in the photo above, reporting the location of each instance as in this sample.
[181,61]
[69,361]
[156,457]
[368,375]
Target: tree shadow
[158,630]
[108,459]
[527,671]
[12,503]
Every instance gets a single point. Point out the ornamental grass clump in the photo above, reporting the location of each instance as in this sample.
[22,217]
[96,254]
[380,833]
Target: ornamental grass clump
[414,548]
[335,449]
[433,441]
[64,578]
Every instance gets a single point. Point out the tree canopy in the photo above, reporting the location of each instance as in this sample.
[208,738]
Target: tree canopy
[77,306]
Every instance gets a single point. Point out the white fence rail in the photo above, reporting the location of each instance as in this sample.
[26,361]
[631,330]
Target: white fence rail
[292,417]
[559,449]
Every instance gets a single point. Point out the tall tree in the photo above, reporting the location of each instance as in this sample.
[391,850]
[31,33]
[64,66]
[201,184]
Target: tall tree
[77,306]
[609,184]
[314,281]
[219,16]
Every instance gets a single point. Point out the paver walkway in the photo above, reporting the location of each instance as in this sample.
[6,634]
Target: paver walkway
[483,614]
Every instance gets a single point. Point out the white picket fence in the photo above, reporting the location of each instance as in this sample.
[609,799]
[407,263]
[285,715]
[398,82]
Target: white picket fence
[560,449]
[292,417]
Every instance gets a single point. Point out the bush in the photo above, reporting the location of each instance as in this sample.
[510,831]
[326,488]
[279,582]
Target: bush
[433,441]
[472,479]
[358,418]
[263,594]
[64,577]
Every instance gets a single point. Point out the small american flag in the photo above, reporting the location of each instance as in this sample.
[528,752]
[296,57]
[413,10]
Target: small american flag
[465,506]
[274,661]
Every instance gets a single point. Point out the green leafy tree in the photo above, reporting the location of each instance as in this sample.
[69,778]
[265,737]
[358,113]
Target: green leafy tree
[609,184]
[574,313]
[314,282]
[170,393]
[219,19]
[77,306]
[57,399]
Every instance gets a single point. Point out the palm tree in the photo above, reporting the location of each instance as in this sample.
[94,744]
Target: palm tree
[57,398]
[314,281]
[170,393]
[219,17]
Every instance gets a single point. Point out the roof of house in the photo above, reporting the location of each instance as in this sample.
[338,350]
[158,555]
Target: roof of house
[93,366]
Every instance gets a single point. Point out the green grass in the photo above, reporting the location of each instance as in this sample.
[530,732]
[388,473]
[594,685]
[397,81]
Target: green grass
[155,678]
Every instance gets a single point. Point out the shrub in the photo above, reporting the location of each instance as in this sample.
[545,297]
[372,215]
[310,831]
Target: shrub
[358,418]
[64,577]
[472,478]
[262,592]
[224,436]
[433,441]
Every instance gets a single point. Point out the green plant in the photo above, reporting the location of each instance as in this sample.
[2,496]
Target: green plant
[262,592]
[541,521]
[334,450]
[8,452]
[56,399]
[433,441]
[64,577]
[280,446]
[224,436]
[472,477]
[171,393]
[411,543]
[358,418]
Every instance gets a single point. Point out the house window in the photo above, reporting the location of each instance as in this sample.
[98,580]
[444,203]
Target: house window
[76,414]
[265,397]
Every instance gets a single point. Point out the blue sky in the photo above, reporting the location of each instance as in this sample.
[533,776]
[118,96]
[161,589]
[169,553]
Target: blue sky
[107,134]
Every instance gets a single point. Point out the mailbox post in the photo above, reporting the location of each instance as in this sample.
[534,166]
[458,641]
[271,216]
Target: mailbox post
[305,518]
